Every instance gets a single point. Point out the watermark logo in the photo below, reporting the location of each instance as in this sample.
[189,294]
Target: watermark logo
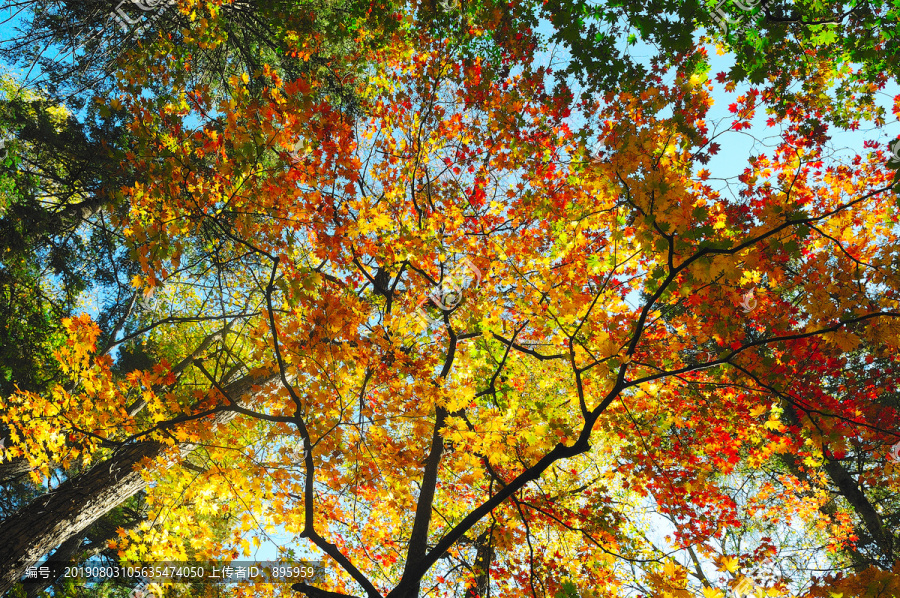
[894,160]
[298,453]
[450,292]
[142,590]
[151,4]
[894,455]
[724,21]
[125,21]
[126,15]
[745,587]
[748,301]
[4,149]
[749,5]
[144,301]
[455,11]
[298,151]
[596,152]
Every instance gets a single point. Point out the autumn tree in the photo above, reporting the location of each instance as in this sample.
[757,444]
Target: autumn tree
[839,54]
[54,196]
[452,347]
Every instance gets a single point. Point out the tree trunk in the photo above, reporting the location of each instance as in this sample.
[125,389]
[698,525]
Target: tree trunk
[65,553]
[480,586]
[55,517]
[14,468]
[848,487]
[860,562]
[78,549]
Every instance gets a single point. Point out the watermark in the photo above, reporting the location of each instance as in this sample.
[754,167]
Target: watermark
[145,574]
[298,453]
[448,295]
[124,19]
[745,587]
[296,151]
[724,21]
[748,301]
[455,11]
[4,153]
[595,152]
[142,590]
[894,160]
[894,455]
[299,151]
[126,15]
[144,301]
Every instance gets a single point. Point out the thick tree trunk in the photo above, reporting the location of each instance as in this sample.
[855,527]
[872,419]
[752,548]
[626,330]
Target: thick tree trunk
[75,504]
[79,548]
[860,562]
[12,469]
[418,537]
[54,518]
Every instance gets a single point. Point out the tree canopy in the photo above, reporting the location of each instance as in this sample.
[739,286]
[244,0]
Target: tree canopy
[465,299]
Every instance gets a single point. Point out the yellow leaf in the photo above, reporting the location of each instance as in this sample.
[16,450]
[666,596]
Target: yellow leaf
[758,410]
[772,424]
[729,563]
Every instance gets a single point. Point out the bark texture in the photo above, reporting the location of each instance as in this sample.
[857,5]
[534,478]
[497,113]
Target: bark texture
[14,468]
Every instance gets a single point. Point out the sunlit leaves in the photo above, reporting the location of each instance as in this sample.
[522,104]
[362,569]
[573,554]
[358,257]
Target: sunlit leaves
[445,278]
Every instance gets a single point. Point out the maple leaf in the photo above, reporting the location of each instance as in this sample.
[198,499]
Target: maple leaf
[729,563]
[758,410]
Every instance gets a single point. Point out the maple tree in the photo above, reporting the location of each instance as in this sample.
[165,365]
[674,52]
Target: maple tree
[804,52]
[423,326]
